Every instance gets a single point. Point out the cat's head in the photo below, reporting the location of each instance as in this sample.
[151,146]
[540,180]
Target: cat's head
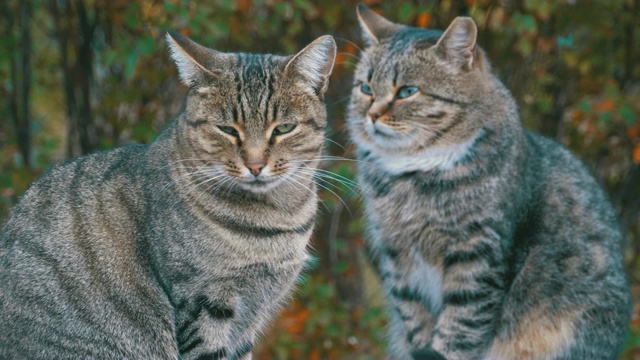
[252,121]
[418,93]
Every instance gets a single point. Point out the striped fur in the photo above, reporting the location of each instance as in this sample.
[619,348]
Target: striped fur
[492,242]
[175,249]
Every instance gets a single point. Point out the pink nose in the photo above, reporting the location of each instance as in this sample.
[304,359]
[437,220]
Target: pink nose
[255,167]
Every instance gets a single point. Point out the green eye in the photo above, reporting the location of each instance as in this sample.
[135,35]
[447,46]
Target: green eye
[407,91]
[365,88]
[284,128]
[229,130]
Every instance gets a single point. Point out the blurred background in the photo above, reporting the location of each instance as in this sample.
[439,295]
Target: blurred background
[79,76]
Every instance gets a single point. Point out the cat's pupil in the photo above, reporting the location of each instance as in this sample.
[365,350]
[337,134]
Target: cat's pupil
[407,91]
[366,89]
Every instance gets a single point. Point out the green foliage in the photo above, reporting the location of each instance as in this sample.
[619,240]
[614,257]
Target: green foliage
[318,326]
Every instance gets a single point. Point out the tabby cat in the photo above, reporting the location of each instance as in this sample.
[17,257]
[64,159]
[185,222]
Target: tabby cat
[183,248]
[491,241]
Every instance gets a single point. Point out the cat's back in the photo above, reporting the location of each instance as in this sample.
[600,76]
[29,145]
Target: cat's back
[74,187]
[565,187]
[71,264]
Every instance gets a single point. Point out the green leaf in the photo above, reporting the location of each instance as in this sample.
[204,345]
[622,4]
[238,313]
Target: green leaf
[406,12]
[130,64]
[628,115]
[146,45]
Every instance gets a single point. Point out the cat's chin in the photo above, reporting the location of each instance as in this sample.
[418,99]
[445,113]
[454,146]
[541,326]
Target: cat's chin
[259,186]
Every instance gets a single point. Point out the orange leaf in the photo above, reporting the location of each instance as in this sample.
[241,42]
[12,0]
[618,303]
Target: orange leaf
[243,5]
[604,105]
[423,20]
[314,354]
[634,131]
[636,154]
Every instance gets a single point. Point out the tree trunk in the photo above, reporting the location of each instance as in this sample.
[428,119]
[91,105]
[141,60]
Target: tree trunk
[19,99]
[77,75]
[23,124]
[84,67]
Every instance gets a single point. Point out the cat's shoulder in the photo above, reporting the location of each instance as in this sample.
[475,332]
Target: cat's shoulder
[90,170]
[98,163]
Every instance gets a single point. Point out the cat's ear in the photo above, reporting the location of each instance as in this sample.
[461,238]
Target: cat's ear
[374,26]
[313,64]
[193,60]
[458,43]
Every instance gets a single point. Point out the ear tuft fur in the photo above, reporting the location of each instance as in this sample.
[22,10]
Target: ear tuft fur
[314,64]
[458,43]
[190,58]
[375,27]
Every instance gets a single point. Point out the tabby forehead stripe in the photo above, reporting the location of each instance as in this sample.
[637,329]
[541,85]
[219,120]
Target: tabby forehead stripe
[239,85]
[269,86]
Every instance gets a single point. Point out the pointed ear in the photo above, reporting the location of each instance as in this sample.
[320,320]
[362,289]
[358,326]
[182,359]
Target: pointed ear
[313,64]
[193,60]
[458,43]
[374,26]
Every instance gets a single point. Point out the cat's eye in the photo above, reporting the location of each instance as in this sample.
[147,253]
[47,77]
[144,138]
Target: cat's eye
[365,88]
[229,130]
[284,128]
[406,91]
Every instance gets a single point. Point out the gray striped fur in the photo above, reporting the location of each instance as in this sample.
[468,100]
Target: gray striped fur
[492,242]
[174,250]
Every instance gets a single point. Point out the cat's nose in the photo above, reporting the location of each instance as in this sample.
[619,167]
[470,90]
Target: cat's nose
[255,167]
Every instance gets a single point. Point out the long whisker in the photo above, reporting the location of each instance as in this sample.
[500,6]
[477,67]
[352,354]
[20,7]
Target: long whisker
[328,158]
[341,100]
[335,142]
[292,181]
[331,191]
[333,176]
[349,42]
[206,161]
[328,180]
[350,54]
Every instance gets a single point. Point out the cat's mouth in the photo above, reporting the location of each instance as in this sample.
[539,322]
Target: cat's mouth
[259,184]
[379,129]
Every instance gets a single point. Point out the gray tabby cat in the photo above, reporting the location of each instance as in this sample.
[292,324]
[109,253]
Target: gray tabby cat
[183,248]
[492,242]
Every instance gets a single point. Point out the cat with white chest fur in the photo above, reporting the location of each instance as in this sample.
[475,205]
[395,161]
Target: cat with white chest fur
[491,241]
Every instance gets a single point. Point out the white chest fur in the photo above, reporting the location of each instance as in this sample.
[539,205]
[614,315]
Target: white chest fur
[439,158]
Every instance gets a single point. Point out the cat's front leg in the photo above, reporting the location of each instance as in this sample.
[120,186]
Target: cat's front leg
[204,327]
[472,292]
[411,286]
[244,351]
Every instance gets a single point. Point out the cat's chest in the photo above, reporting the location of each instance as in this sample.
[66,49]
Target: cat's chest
[406,212]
